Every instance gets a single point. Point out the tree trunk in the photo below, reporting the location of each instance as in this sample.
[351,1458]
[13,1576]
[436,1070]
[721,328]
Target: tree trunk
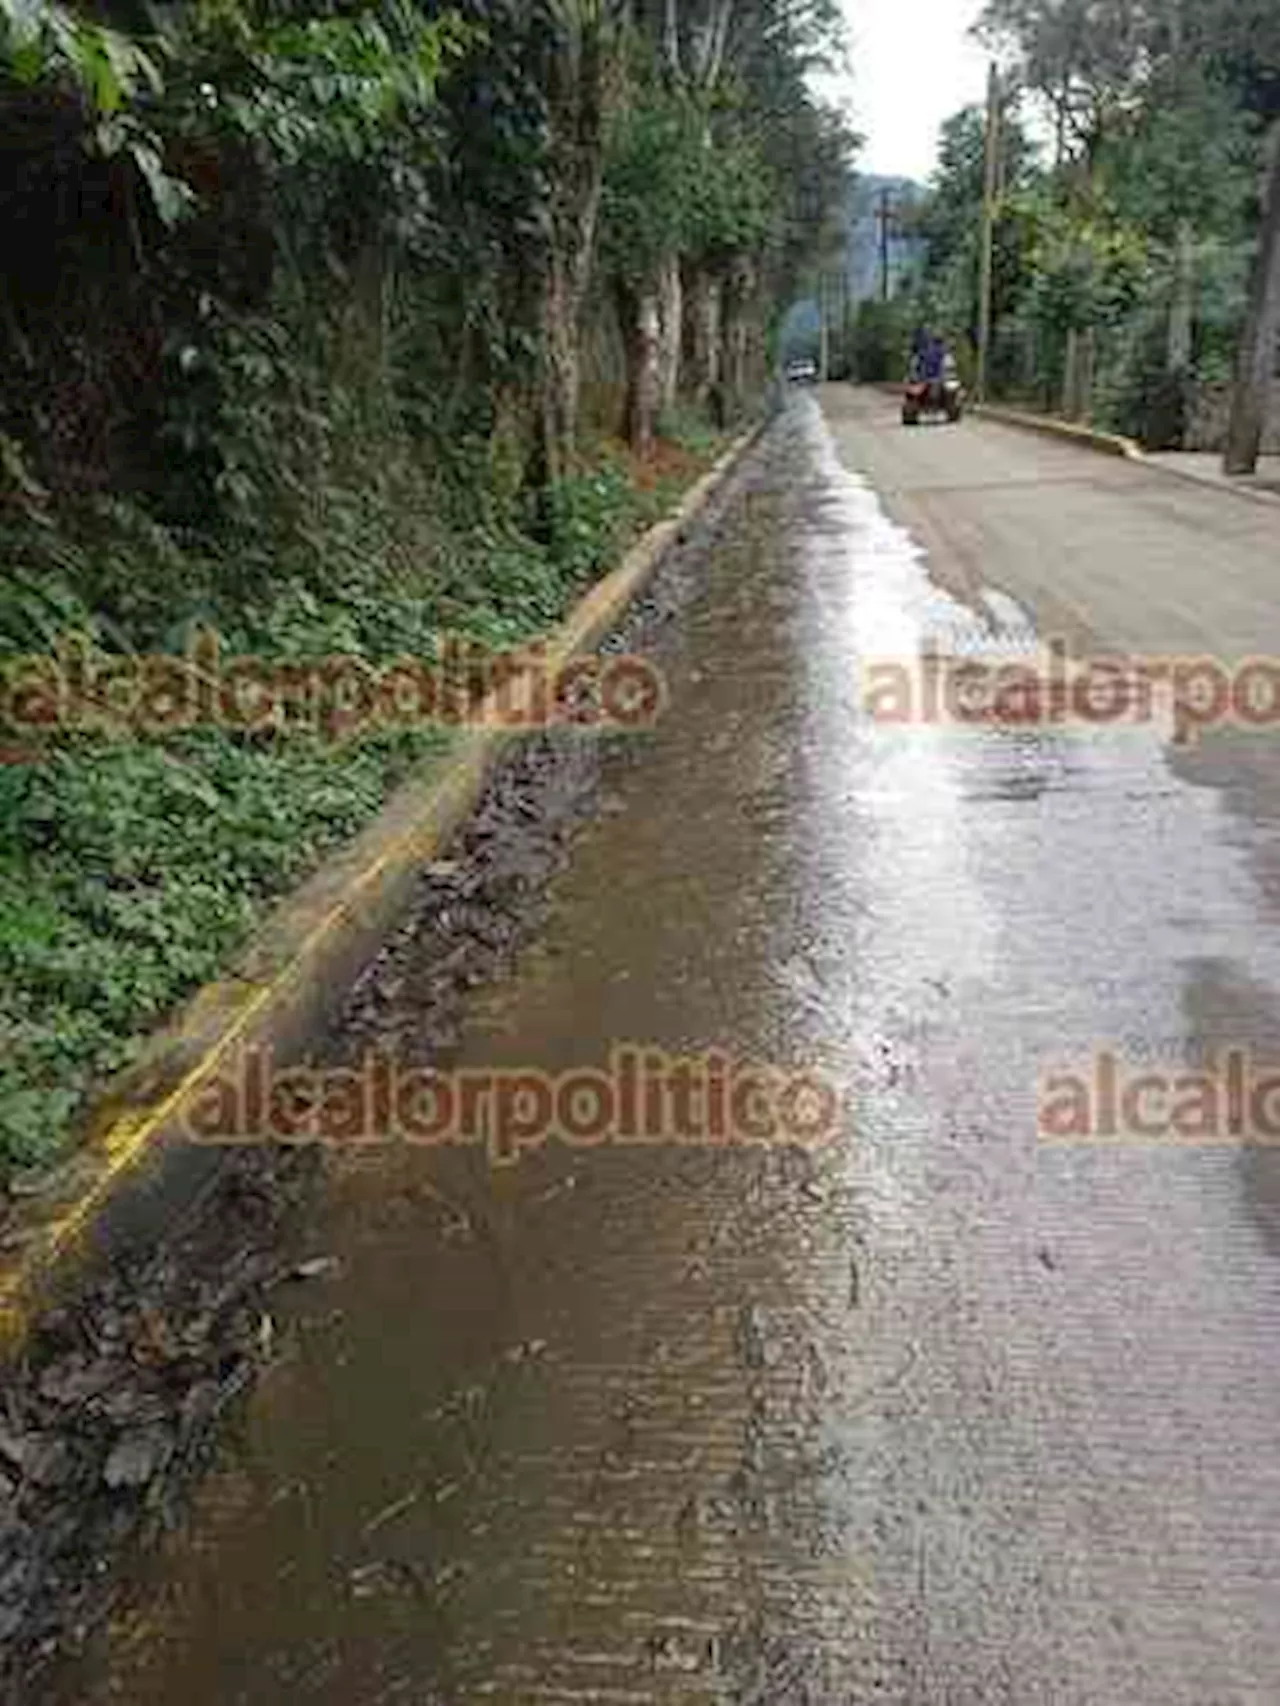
[670,300]
[1077,380]
[641,321]
[1071,375]
[1257,360]
[563,290]
[578,85]
[1030,362]
[735,341]
[1182,312]
[701,335]
[1087,370]
[558,420]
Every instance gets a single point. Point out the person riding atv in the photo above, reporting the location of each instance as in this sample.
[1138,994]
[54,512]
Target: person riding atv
[933,383]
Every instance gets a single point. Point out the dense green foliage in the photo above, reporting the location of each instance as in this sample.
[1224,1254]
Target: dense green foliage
[1123,243]
[300,298]
[130,870]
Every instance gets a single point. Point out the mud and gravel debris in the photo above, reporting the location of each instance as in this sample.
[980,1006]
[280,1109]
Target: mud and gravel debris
[114,1402]
[118,1399]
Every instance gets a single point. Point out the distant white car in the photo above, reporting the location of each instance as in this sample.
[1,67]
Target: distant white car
[802,372]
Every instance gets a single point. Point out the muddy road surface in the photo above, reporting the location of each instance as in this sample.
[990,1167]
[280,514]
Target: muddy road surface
[935,1411]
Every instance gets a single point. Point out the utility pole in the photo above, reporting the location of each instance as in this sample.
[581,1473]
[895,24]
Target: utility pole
[824,331]
[844,316]
[1182,309]
[886,216]
[990,195]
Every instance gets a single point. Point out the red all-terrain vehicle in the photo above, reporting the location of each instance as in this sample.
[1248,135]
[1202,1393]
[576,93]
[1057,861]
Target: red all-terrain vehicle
[938,399]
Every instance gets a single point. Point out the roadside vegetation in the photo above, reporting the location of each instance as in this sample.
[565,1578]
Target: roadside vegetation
[337,328]
[1138,217]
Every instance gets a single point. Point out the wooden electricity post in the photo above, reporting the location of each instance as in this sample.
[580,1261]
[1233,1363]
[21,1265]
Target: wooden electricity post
[990,196]
[886,217]
[824,331]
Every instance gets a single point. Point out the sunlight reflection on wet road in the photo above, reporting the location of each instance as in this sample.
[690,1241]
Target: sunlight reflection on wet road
[940,1415]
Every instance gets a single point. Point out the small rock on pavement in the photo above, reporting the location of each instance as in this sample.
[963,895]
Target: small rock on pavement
[315,1267]
[751,1336]
[138,1457]
[44,1460]
[526,1352]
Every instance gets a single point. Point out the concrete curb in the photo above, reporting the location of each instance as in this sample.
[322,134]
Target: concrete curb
[1233,487]
[132,1169]
[1109,443]
[1112,444]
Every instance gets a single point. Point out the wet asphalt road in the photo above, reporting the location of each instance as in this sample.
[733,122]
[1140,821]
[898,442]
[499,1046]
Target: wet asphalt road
[939,1414]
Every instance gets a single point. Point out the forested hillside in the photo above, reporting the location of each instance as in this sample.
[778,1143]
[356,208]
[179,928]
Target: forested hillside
[333,327]
[1135,174]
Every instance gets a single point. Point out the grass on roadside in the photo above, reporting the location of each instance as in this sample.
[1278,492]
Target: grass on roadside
[131,873]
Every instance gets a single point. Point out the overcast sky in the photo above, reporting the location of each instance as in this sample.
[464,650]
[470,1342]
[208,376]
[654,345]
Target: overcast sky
[913,66]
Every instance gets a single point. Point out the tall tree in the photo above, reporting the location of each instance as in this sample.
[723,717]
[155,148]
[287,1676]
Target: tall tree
[651,159]
[719,140]
[1256,363]
[581,57]
[1143,94]
[1245,34]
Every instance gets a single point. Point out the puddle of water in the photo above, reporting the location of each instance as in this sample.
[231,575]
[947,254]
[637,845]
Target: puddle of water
[936,1417]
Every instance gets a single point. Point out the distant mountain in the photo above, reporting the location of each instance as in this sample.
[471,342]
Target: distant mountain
[867,198]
